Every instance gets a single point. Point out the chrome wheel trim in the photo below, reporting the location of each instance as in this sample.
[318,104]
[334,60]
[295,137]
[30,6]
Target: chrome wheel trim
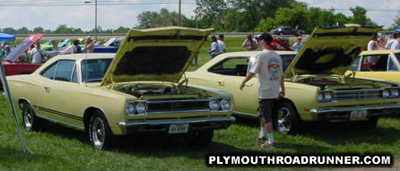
[28,117]
[98,132]
[284,123]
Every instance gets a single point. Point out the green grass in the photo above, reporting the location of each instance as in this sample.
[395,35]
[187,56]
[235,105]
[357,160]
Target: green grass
[59,148]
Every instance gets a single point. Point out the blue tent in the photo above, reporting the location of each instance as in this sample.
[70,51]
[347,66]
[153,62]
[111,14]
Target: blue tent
[398,30]
[6,37]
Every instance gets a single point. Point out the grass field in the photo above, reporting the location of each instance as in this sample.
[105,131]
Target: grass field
[59,148]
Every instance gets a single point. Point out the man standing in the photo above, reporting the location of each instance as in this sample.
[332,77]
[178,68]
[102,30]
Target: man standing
[37,55]
[268,66]
[221,44]
[396,44]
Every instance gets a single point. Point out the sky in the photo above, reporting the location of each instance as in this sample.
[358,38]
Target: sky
[111,14]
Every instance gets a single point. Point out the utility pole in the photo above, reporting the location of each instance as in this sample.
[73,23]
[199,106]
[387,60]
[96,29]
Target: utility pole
[179,16]
[95,19]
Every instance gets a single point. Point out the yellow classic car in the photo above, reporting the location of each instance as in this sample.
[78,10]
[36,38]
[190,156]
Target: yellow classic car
[137,91]
[378,64]
[316,87]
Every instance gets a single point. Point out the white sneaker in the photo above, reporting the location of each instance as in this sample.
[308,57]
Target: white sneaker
[267,144]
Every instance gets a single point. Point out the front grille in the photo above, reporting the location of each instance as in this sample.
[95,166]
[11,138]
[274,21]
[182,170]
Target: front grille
[159,106]
[358,94]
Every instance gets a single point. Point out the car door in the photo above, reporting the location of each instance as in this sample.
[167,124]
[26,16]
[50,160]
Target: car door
[59,96]
[229,75]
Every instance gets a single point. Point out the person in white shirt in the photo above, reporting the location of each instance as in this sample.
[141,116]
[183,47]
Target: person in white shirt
[268,66]
[38,54]
[396,43]
[297,45]
[221,44]
[373,44]
[214,51]
[391,41]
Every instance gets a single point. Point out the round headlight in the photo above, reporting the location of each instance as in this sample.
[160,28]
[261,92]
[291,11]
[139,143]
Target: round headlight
[385,93]
[226,104]
[328,96]
[320,97]
[214,104]
[141,107]
[394,93]
[130,108]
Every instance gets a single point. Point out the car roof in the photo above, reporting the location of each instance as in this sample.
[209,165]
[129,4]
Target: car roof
[379,52]
[78,56]
[254,53]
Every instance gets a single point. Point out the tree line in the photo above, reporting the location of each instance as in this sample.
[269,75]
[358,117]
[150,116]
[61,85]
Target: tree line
[234,16]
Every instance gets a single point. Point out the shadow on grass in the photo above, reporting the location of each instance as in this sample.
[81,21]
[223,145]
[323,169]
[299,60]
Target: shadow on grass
[340,133]
[10,155]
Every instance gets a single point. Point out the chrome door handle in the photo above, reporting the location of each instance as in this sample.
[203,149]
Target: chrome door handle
[47,89]
[221,83]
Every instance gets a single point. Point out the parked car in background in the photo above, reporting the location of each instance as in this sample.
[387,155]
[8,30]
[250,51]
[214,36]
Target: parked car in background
[317,88]
[137,91]
[378,64]
[286,30]
[17,62]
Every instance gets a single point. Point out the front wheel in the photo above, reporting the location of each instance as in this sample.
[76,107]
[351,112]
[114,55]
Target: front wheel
[30,121]
[286,118]
[100,134]
[200,138]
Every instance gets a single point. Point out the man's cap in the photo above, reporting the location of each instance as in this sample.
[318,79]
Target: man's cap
[265,36]
[89,38]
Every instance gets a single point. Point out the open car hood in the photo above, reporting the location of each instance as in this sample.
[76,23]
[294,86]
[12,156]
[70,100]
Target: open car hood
[160,54]
[331,50]
[22,47]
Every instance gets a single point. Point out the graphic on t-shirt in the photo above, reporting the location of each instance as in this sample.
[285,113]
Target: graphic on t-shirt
[273,68]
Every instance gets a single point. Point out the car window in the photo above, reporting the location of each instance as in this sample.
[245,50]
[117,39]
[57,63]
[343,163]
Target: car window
[49,72]
[375,63]
[74,76]
[286,59]
[93,70]
[392,65]
[65,70]
[354,66]
[235,66]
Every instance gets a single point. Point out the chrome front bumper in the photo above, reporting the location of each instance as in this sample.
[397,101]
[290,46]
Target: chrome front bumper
[162,126]
[343,114]
[320,111]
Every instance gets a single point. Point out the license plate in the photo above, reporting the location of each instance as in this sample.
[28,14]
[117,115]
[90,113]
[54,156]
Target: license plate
[178,128]
[358,115]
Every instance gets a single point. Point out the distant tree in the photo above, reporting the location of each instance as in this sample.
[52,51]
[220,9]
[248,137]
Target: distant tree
[122,30]
[62,29]
[212,12]
[9,30]
[396,22]
[23,30]
[165,18]
[146,19]
[38,30]
[360,16]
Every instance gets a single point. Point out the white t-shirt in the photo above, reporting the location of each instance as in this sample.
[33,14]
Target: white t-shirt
[395,45]
[215,48]
[268,67]
[389,43]
[222,46]
[37,56]
[372,45]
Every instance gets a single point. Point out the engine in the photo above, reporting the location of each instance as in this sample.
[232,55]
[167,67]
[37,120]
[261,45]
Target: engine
[139,90]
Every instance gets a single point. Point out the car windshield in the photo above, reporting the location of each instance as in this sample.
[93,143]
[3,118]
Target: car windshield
[93,70]
[397,56]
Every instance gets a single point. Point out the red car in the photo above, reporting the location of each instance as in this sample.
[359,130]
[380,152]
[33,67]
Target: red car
[13,63]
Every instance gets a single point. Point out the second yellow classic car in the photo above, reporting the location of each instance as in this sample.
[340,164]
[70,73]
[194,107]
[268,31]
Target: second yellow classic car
[139,93]
[316,87]
[378,64]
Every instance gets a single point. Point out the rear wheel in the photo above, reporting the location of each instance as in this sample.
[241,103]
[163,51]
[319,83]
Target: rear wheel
[200,138]
[30,121]
[100,134]
[286,118]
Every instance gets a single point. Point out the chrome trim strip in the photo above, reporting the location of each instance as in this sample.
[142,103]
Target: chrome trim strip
[134,123]
[62,123]
[318,111]
[247,114]
[174,101]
